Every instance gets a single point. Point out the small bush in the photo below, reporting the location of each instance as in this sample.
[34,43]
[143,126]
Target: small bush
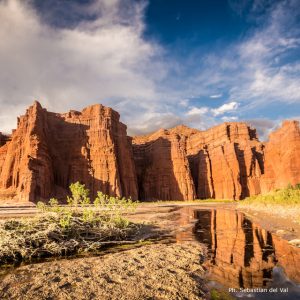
[108,208]
[80,195]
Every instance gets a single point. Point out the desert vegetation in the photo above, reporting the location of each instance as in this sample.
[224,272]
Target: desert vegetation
[288,196]
[81,226]
[282,202]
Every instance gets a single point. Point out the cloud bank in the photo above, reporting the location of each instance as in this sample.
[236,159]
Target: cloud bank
[103,57]
[103,60]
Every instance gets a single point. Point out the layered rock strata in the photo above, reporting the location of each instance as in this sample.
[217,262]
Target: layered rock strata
[282,157]
[162,167]
[223,162]
[48,151]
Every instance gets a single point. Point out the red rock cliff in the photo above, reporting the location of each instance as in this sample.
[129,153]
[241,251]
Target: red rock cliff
[282,157]
[49,151]
[162,167]
[222,162]
[227,161]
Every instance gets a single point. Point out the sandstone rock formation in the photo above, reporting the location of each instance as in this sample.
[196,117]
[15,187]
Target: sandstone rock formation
[224,162]
[48,151]
[162,167]
[282,157]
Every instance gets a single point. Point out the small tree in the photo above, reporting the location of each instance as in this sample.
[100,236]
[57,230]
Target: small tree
[80,195]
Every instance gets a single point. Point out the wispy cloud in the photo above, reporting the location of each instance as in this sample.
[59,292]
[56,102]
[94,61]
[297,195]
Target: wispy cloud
[197,111]
[227,107]
[215,96]
[269,60]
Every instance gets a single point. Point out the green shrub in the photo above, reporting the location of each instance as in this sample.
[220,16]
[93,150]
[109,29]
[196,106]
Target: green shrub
[80,195]
[104,208]
[288,196]
[220,295]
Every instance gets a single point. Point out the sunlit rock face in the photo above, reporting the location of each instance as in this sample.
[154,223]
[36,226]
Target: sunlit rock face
[223,162]
[227,161]
[282,157]
[49,151]
[241,253]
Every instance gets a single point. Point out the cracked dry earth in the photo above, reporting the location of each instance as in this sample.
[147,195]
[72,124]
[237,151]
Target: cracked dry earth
[156,271]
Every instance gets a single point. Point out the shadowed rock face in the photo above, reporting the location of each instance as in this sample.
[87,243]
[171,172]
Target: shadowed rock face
[228,160]
[225,162]
[48,151]
[162,167]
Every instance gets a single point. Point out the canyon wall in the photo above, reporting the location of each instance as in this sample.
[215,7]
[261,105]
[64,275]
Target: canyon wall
[223,162]
[48,151]
[282,157]
[162,167]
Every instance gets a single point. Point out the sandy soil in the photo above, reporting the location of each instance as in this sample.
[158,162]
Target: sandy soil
[154,271]
[281,224]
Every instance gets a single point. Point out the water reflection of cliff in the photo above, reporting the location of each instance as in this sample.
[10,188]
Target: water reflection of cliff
[241,253]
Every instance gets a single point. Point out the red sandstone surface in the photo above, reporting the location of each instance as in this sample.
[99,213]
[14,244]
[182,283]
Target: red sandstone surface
[48,151]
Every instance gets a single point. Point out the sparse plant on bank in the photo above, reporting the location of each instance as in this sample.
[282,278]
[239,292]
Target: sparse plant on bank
[281,202]
[288,196]
[79,226]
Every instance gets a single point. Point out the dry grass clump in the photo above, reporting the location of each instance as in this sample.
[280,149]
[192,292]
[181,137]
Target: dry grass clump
[60,231]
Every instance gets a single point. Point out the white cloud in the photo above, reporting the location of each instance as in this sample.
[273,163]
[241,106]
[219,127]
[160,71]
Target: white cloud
[184,102]
[153,121]
[215,96]
[266,74]
[227,107]
[263,68]
[197,111]
[229,118]
[105,60]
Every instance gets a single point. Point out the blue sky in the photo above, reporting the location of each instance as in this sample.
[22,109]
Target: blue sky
[159,63]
